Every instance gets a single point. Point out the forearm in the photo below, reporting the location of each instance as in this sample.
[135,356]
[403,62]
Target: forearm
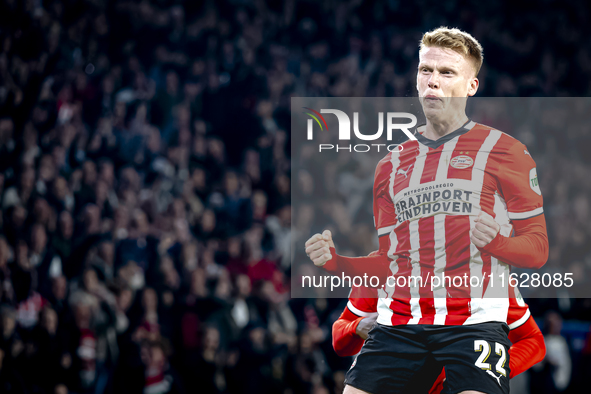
[345,340]
[528,347]
[370,266]
[375,264]
[527,249]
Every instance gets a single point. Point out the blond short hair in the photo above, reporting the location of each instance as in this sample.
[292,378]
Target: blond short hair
[456,40]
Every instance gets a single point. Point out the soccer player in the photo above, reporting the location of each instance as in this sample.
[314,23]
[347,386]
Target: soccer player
[350,331]
[448,203]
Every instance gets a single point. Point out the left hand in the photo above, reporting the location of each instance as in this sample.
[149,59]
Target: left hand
[484,231]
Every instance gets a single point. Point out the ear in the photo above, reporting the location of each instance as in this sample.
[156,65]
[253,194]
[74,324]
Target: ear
[473,87]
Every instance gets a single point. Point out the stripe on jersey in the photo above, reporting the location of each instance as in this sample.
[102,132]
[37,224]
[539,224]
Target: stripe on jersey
[419,166]
[440,295]
[459,303]
[415,242]
[415,260]
[446,154]
[407,167]
[478,178]
[458,265]
[395,160]
[476,261]
[526,215]
[482,158]
[431,165]
[427,255]
[440,292]
[521,321]
[386,297]
[495,301]
[401,309]
[480,267]
[385,230]
[359,312]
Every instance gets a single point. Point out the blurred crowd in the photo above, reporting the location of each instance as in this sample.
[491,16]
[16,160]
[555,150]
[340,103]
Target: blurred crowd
[145,185]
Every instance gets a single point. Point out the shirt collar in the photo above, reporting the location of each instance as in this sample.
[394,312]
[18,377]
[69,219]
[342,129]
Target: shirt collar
[434,144]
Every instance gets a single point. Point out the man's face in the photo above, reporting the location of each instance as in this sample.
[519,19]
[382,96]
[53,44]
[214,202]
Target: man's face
[39,238]
[444,74]
[59,287]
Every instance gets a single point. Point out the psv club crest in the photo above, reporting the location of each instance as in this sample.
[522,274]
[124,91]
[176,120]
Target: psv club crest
[461,162]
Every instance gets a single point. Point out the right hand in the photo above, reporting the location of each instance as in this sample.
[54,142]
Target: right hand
[364,326]
[318,248]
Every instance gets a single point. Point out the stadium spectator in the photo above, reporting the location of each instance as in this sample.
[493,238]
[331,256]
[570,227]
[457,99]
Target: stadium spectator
[553,374]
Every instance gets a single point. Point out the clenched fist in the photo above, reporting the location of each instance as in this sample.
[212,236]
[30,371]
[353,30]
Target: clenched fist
[484,231]
[318,248]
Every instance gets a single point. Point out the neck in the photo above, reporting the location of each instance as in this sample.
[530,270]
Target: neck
[437,128]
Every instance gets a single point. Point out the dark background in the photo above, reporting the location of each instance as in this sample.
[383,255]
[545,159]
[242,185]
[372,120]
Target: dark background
[145,181]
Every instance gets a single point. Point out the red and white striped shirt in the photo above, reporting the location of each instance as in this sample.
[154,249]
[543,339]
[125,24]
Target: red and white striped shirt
[363,304]
[426,199]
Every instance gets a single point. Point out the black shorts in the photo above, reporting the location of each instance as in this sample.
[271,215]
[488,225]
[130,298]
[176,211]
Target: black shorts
[408,359]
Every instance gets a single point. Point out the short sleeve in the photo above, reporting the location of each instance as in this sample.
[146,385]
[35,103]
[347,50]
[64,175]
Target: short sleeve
[518,309]
[518,184]
[363,301]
